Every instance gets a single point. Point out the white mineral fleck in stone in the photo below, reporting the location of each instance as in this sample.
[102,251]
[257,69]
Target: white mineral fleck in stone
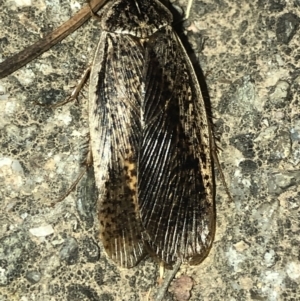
[10,108]
[5,161]
[42,231]
[241,246]
[273,281]
[65,117]
[16,166]
[21,3]
[234,258]
[280,93]
[12,172]
[25,76]
[75,5]
[269,258]
[293,270]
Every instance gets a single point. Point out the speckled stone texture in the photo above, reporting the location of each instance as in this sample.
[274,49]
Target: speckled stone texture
[250,62]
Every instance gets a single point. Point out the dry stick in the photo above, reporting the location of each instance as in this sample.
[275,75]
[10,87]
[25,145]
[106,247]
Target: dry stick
[169,276]
[28,54]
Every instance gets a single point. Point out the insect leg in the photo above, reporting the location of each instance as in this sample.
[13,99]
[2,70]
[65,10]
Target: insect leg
[74,93]
[93,13]
[188,9]
[169,276]
[76,90]
[88,162]
[216,160]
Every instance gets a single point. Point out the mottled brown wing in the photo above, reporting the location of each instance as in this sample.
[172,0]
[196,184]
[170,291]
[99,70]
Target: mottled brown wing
[175,176]
[115,134]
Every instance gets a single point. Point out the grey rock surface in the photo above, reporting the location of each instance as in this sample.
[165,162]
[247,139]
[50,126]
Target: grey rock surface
[251,64]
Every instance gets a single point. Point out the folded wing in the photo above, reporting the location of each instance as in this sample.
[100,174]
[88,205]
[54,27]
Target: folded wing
[175,169]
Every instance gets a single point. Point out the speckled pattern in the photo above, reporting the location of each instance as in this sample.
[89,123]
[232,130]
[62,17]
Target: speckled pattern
[250,60]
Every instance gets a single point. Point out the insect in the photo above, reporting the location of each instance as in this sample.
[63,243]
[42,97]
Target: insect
[150,139]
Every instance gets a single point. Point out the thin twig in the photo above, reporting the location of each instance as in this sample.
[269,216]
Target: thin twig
[169,276]
[31,52]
